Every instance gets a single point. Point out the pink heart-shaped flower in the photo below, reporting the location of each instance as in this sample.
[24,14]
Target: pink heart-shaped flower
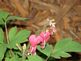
[34,40]
[45,36]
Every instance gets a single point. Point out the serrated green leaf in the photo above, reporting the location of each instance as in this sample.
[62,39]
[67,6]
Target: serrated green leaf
[64,46]
[16,18]
[68,45]
[65,55]
[12,33]
[20,37]
[3,50]
[12,45]
[47,50]
[34,58]
[1,35]
[59,54]
[62,43]
[72,47]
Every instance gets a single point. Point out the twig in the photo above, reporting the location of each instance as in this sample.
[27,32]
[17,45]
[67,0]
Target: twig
[54,8]
[66,8]
[20,8]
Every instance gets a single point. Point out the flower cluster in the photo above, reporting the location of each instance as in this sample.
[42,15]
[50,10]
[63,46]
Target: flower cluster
[41,39]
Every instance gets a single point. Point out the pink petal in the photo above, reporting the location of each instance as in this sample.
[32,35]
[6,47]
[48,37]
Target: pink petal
[34,40]
[32,50]
[45,36]
[39,39]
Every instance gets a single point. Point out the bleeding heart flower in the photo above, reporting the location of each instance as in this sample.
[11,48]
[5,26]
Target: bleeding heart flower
[34,41]
[45,36]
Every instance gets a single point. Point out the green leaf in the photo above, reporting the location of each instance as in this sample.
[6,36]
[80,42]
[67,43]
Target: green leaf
[59,54]
[3,16]
[1,21]
[26,60]
[16,18]
[3,50]
[20,37]
[8,54]
[47,50]
[14,58]
[1,35]
[7,59]
[34,58]
[12,33]
[17,52]
[66,45]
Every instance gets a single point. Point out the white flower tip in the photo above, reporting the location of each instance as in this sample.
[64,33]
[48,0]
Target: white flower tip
[24,47]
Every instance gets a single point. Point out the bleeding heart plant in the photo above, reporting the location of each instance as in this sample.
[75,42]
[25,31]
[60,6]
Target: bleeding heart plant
[21,46]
